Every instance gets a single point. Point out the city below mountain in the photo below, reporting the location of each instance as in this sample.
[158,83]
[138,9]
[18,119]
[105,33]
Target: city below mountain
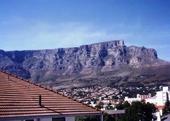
[109,63]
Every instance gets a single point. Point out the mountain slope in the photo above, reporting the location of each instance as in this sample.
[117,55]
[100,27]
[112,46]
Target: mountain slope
[111,61]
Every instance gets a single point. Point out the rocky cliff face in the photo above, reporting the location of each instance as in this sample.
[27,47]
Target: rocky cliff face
[49,65]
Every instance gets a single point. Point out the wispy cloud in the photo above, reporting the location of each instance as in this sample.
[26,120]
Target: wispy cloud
[40,35]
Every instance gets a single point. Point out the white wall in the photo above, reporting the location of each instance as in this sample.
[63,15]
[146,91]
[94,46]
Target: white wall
[45,119]
[15,120]
[70,118]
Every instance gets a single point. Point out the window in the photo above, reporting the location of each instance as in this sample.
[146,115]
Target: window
[38,119]
[58,119]
[30,120]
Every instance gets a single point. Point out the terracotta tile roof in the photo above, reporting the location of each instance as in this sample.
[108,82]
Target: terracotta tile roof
[21,98]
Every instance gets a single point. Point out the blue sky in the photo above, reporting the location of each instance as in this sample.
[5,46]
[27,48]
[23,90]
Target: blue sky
[41,24]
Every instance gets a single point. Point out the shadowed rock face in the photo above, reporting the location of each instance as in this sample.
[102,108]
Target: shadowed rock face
[91,60]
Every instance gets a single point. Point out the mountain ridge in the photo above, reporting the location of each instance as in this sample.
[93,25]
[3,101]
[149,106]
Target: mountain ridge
[49,66]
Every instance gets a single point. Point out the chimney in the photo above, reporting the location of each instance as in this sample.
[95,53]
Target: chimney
[40,100]
[8,77]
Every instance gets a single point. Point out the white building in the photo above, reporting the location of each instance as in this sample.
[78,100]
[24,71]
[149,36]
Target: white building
[158,100]
[138,98]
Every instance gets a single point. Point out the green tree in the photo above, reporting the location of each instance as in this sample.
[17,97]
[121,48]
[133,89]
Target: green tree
[137,111]
[167,105]
[122,106]
[108,117]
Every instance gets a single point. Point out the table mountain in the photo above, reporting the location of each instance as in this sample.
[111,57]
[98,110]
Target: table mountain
[106,63]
